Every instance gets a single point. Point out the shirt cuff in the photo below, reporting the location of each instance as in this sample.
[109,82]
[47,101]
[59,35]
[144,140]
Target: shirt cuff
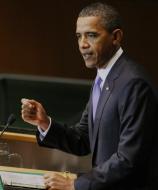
[44,133]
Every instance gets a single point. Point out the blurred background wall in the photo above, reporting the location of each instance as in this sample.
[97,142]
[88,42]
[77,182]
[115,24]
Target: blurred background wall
[38,36]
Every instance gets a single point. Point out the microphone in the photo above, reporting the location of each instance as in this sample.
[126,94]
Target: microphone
[10,121]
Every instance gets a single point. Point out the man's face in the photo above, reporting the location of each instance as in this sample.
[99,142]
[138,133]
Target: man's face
[95,42]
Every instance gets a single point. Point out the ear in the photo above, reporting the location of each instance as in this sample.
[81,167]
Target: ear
[117,36]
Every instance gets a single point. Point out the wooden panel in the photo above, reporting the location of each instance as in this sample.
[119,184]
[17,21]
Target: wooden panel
[19,137]
[38,37]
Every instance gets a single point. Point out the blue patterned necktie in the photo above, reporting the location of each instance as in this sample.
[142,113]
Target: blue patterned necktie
[96,94]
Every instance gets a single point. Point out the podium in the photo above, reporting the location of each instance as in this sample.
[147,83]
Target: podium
[35,156]
[41,160]
[29,179]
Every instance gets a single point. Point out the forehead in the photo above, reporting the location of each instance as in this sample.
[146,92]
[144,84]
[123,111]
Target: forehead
[89,23]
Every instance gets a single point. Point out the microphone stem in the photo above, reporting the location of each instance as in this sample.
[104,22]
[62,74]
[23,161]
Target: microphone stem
[3,130]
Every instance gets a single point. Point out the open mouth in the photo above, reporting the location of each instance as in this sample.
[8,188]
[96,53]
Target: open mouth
[87,56]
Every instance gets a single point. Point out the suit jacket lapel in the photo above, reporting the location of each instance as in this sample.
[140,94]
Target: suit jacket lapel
[90,119]
[106,92]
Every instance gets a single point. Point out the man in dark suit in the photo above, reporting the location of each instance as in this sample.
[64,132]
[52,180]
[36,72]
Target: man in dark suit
[119,121]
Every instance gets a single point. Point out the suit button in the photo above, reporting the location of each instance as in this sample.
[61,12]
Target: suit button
[107,88]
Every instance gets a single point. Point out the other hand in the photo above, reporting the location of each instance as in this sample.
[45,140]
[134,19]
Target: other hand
[54,181]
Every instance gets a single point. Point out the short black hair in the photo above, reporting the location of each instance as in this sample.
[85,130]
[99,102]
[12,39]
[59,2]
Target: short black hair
[110,18]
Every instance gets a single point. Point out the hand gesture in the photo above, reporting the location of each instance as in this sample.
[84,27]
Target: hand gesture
[34,113]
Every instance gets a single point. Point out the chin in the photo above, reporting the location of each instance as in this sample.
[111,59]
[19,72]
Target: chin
[90,65]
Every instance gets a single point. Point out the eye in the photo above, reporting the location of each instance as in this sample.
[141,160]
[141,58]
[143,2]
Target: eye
[78,36]
[92,34]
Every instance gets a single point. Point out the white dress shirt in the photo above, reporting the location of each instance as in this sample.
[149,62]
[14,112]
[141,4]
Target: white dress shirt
[104,71]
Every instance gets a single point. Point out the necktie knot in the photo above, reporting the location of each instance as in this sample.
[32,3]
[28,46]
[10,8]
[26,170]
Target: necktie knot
[96,94]
[98,81]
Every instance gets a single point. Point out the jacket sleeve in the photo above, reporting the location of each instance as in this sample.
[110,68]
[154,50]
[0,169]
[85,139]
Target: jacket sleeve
[71,139]
[138,114]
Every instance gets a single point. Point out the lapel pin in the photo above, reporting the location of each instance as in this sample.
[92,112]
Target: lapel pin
[107,88]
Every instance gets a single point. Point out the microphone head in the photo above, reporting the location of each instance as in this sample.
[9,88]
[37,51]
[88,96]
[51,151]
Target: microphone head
[11,119]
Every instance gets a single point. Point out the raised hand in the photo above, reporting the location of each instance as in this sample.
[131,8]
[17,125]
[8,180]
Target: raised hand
[34,113]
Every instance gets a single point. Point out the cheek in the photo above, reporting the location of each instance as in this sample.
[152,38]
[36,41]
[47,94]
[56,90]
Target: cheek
[100,49]
[106,47]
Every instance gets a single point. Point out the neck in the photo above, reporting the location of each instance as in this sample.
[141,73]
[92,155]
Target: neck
[113,52]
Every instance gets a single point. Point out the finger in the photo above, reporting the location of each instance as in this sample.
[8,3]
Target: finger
[28,106]
[28,114]
[31,120]
[54,177]
[28,110]
[55,181]
[55,185]
[24,100]
[58,184]
[28,103]
[49,175]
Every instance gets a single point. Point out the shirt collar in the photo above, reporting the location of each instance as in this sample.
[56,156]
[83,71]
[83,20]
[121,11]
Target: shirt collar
[103,72]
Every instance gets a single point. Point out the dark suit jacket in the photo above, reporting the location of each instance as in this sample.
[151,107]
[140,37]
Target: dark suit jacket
[122,137]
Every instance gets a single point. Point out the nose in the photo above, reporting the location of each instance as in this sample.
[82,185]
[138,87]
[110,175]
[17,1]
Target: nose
[83,43]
